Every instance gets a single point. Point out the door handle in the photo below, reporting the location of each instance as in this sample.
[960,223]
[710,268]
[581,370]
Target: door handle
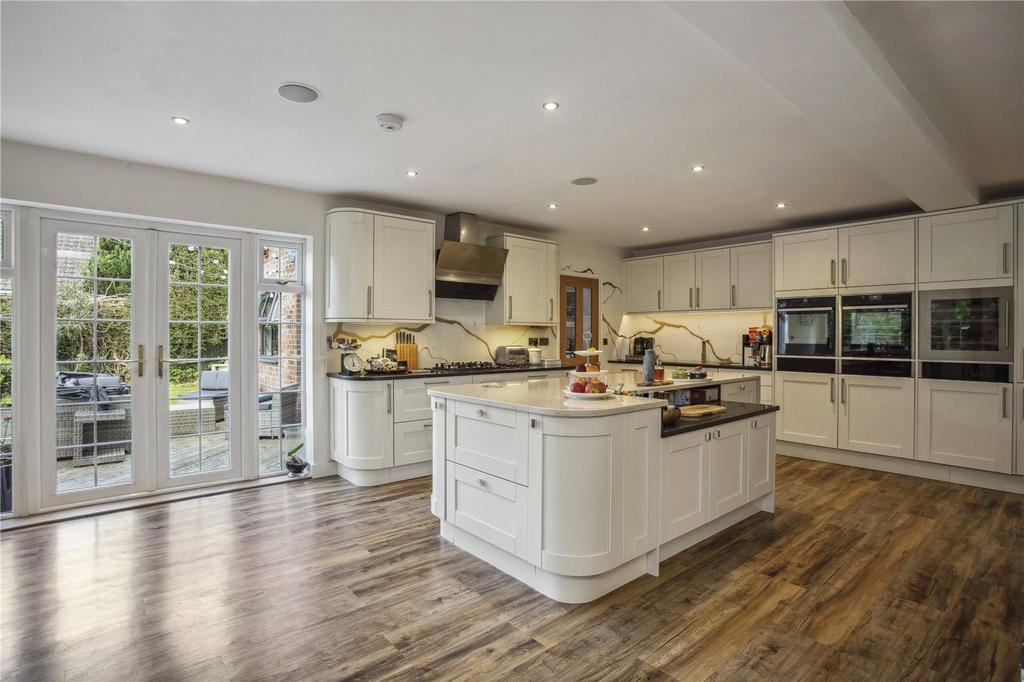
[428,425]
[698,297]
[1004,402]
[435,383]
[509,307]
[481,482]
[481,413]
[659,299]
[387,388]
[718,434]
[160,362]
[142,359]
[732,294]
[844,271]
[430,302]
[842,390]
[691,297]
[1006,265]
[832,275]
[551,315]
[707,436]
[369,300]
[1005,322]
[832,389]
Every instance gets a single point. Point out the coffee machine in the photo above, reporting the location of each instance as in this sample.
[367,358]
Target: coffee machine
[757,347]
[640,345]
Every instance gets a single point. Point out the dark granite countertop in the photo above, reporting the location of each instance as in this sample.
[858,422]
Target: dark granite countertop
[733,412]
[418,374]
[708,365]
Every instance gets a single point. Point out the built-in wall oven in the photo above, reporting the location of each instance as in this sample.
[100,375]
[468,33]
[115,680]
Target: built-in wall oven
[805,334]
[877,332]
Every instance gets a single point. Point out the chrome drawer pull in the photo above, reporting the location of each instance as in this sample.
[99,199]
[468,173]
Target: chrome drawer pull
[481,413]
[481,482]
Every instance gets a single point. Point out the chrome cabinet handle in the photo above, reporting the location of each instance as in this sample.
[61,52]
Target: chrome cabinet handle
[832,266]
[1006,266]
[481,482]
[510,307]
[718,433]
[428,425]
[691,297]
[753,424]
[387,387]
[698,297]
[369,300]
[435,383]
[842,390]
[659,299]
[430,302]
[142,359]
[707,436]
[832,389]
[551,315]
[844,271]
[732,295]
[481,413]
[160,362]
[1004,401]
[1006,325]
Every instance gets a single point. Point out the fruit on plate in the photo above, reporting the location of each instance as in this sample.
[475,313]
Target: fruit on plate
[596,386]
[591,350]
[578,388]
[581,367]
[582,380]
[592,367]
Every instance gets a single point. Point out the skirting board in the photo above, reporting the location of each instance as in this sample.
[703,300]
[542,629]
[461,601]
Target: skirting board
[371,477]
[908,467]
[582,589]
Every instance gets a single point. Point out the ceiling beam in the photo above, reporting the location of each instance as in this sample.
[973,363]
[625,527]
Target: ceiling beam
[820,58]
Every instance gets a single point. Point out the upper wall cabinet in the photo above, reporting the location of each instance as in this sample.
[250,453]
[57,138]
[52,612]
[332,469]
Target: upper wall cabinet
[806,260]
[644,280]
[975,244]
[877,254]
[379,267]
[528,294]
[714,280]
[680,281]
[751,269]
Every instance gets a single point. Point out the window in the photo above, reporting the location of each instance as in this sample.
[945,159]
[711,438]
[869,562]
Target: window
[279,319]
[6,363]
[579,324]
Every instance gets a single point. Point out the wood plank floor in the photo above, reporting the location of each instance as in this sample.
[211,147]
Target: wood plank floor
[859,575]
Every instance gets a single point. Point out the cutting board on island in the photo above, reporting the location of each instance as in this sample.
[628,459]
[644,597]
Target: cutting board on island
[700,410]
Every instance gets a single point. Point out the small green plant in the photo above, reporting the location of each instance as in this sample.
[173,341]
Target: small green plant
[293,453]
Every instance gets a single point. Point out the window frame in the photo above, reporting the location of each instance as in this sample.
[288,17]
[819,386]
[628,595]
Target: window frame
[296,284]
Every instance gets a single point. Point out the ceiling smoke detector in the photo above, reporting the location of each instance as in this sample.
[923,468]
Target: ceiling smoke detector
[390,122]
[297,92]
[584,181]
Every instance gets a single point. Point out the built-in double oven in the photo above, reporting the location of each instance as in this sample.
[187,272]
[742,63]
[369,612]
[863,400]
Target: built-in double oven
[805,334]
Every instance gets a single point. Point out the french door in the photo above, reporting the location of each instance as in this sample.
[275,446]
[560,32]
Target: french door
[139,332]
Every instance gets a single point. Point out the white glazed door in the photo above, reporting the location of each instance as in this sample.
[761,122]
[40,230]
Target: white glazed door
[751,276]
[403,269]
[714,281]
[644,279]
[967,245]
[808,408]
[680,281]
[876,415]
[965,423]
[527,289]
[349,261]
[882,253]
[806,260]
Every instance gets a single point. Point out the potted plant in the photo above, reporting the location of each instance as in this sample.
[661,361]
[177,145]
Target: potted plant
[294,463]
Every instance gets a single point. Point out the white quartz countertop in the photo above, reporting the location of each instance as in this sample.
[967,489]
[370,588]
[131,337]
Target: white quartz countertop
[543,397]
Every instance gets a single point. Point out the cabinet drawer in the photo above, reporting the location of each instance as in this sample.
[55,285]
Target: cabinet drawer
[411,400]
[413,442]
[489,507]
[491,440]
[741,391]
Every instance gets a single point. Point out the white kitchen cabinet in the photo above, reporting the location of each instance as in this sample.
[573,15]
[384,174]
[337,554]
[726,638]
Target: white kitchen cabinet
[411,400]
[403,269]
[965,423]
[746,391]
[876,415]
[767,395]
[714,279]
[491,508]
[680,281]
[641,474]
[685,483]
[806,260]
[489,439]
[1018,292]
[576,493]
[808,411]
[439,479]
[751,271]
[966,245]
[727,452]
[413,442]
[877,254]
[349,276]
[528,294]
[378,267]
[363,423]
[761,456]
[1018,466]
[644,280]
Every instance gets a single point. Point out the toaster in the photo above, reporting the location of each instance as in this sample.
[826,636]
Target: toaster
[511,356]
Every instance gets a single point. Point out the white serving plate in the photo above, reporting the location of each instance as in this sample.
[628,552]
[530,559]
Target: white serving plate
[587,353]
[590,375]
[586,396]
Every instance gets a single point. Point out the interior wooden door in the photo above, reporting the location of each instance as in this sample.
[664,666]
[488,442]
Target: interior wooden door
[579,323]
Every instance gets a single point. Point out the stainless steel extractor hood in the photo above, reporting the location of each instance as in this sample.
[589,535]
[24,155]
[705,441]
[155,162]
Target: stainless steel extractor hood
[465,269]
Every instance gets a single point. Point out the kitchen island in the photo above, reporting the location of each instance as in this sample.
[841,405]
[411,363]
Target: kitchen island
[576,497]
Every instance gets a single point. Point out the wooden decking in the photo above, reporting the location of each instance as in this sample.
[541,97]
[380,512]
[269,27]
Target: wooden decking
[858,576]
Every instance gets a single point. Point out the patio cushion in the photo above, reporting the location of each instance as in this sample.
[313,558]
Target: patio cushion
[215,380]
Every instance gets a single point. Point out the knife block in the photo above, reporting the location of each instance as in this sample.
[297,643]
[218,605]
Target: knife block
[408,352]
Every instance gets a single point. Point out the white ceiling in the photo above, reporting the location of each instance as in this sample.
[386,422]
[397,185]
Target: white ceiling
[647,90]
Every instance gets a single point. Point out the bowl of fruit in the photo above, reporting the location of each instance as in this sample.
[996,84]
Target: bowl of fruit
[587,388]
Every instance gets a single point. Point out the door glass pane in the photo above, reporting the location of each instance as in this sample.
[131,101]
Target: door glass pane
[588,333]
[570,321]
[6,397]
[279,337]
[965,324]
[94,361]
[199,410]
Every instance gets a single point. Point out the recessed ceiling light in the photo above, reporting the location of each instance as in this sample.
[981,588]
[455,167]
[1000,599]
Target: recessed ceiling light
[179,120]
[645,228]
[697,168]
[551,106]
[412,173]
[552,206]
[297,92]
[584,181]
[781,204]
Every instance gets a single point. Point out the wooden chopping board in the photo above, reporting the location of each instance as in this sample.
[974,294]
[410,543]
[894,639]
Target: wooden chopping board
[655,383]
[700,410]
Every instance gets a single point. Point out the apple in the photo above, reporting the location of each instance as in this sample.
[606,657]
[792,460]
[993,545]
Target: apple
[596,387]
[578,388]
[593,368]
[582,380]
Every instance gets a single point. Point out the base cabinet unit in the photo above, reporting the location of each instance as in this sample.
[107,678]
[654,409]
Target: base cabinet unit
[363,424]
[685,485]
[644,281]
[876,415]
[488,439]
[728,477]
[411,400]
[528,294]
[746,391]
[966,245]
[378,267]
[808,408]
[493,509]
[966,424]
[761,456]
[413,442]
